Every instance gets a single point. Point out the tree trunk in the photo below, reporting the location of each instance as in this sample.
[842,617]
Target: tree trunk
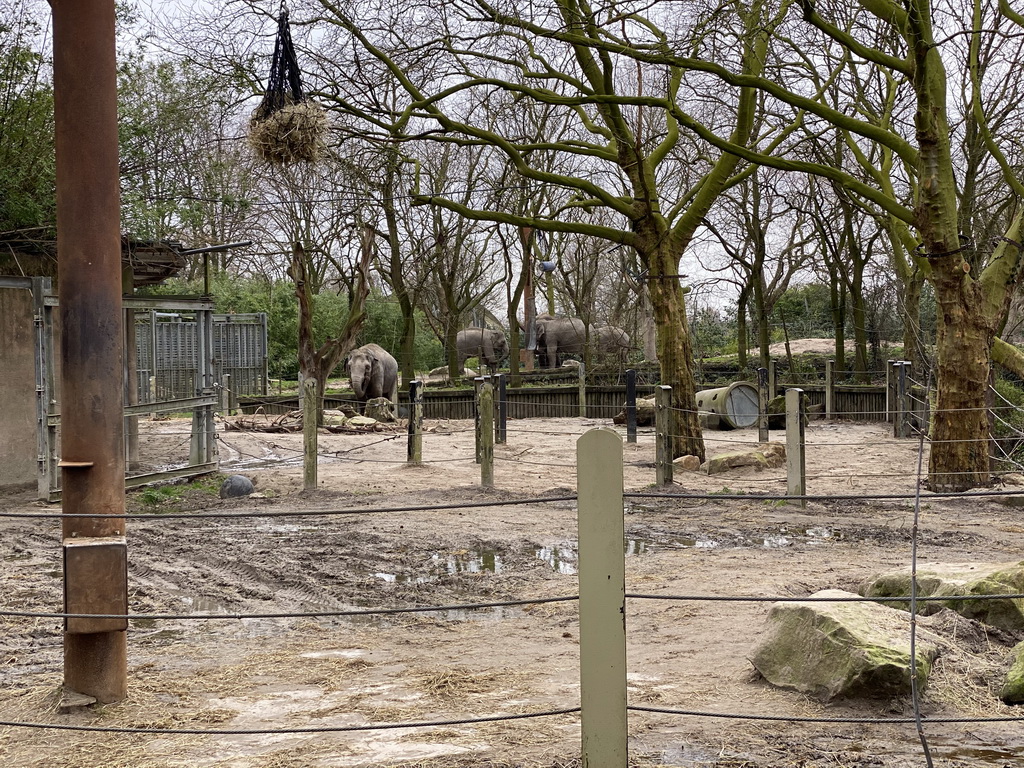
[959,457]
[741,327]
[764,338]
[675,352]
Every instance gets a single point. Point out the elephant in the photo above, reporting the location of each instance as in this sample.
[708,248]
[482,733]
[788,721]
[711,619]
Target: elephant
[373,372]
[611,343]
[486,344]
[558,336]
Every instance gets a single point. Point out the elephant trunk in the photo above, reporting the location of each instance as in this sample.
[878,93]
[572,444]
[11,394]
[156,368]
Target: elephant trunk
[358,382]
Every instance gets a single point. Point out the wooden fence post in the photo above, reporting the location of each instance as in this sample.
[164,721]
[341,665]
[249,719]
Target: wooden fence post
[501,427]
[583,391]
[903,400]
[602,602]
[478,384]
[415,451]
[890,390]
[762,405]
[796,416]
[486,411]
[631,405]
[309,448]
[663,435]
[830,388]
[223,403]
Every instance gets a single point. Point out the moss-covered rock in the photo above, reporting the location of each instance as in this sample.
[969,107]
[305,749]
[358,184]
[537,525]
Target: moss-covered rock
[1013,687]
[842,650]
[959,579]
[771,455]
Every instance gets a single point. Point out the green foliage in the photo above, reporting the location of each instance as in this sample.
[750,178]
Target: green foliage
[384,326]
[1009,405]
[712,334]
[27,171]
[807,310]
[169,498]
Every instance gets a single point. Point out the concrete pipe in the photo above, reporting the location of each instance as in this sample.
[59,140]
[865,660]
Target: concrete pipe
[731,407]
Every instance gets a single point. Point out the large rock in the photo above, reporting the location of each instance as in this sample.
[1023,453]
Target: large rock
[839,650]
[1013,688]
[236,486]
[955,579]
[771,455]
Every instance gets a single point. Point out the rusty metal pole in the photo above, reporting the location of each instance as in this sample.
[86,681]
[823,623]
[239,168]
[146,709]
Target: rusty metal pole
[89,292]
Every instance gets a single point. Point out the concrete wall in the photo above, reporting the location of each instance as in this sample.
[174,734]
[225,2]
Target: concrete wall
[17,388]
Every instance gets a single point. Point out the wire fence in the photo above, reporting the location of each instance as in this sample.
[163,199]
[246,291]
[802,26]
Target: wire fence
[915,493]
[168,519]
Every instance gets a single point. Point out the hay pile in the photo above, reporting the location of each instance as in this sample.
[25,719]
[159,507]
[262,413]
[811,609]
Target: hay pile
[292,134]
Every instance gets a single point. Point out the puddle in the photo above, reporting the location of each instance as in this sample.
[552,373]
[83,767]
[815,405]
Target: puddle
[998,756]
[563,558]
[463,561]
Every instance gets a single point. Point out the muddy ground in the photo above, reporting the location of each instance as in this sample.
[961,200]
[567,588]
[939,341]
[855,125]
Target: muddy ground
[458,663]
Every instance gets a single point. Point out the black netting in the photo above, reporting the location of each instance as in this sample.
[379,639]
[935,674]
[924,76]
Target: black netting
[284,85]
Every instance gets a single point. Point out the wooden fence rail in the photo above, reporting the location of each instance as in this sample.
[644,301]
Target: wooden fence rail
[852,402]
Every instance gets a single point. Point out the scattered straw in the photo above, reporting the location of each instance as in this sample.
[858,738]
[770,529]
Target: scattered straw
[292,134]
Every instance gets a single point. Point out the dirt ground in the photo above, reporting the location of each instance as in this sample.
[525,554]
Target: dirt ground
[458,663]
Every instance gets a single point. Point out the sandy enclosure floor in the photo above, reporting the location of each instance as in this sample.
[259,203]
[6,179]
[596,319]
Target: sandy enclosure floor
[456,664]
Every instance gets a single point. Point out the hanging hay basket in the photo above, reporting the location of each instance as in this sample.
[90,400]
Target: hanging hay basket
[286,127]
[292,134]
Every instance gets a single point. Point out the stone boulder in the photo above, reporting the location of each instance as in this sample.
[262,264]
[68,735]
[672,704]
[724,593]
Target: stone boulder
[957,579]
[842,650]
[361,421]
[777,411]
[1013,687]
[687,463]
[771,455]
[236,486]
[379,409]
[336,418]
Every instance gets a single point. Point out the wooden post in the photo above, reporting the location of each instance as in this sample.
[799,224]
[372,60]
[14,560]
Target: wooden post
[830,388]
[415,450]
[663,436]
[762,405]
[602,602]
[796,415]
[486,411]
[222,395]
[478,384]
[309,447]
[583,391]
[890,390]
[773,379]
[631,406]
[903,401]
[501,426]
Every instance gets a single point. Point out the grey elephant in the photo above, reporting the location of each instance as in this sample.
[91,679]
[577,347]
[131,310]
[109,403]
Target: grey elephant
[611,343]
[373,372]
[559,336]
[486,344]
